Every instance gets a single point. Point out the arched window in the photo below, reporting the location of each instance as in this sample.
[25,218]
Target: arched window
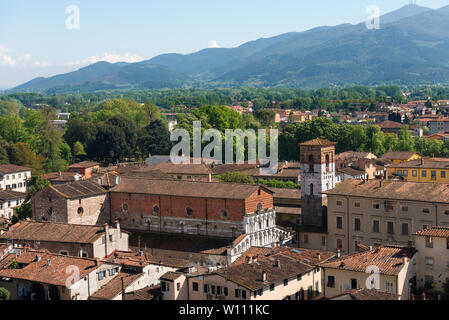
[189,212]
[224,214]
[311,162]
[259,206]
[327,162]
[311,189]
[125,207]
[156,210]
[80,210]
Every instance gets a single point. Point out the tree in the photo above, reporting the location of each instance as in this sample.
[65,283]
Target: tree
[406,142]
[236,177]
[21,154]
[4,294]
[24,211]
[4,146]
[156,139]
[265,117]
[78,151]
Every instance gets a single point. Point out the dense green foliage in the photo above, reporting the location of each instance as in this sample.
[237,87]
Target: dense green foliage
[4,294]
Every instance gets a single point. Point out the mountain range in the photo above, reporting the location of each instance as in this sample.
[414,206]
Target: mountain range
[410,48]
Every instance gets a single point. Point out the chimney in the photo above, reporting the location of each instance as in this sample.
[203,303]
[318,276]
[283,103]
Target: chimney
[370,248]
[338,253]
[278,263]
[264,276]
[319,256]
[422,161]
[380,184]
[404,259]
[117,226]
[106,238]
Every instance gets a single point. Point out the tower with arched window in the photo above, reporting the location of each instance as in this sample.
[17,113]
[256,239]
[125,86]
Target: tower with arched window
[317,158]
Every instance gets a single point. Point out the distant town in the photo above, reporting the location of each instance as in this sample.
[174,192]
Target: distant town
[98,221]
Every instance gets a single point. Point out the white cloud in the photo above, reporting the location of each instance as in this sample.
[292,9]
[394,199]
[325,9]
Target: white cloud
[213,44]
[110,57]
[41,64]
[7,61]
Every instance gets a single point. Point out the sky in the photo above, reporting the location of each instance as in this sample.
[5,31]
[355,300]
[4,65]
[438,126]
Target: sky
[43,38]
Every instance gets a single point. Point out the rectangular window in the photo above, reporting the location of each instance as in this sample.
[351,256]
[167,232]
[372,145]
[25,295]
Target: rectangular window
[433,175]
[331,281]
[356,224]
[212,289]
[306,238]
[101,275]
[376,206]
[272,287]
[429,242]
[206,288]
[390,227]
[404,209]
[425,210]
[237,293]
[447,243]
[428,280]
[339,203]
[219,290]
[429,261]
[339,244]
[299,277]
[285,282]
[243,294]
[195,286]
[357,204]
[414,173]
[353,283]
[178,286]
[225,290]
[163,286]
[376,226]
[339,223]
[405,173]
[390,287]
[323,241]
[405,229]
[424,173]
[443,174]
[399,172]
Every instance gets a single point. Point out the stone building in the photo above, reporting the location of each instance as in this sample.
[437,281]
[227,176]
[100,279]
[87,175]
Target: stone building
[260,274]
[386,268]
[85,168]
[80,202]
[433,257]
[234,211]
[383,212]
[317,175]
[68,239]
[14,177]
[9,201]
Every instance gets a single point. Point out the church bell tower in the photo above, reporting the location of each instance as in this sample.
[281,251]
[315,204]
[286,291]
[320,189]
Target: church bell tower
[317,163]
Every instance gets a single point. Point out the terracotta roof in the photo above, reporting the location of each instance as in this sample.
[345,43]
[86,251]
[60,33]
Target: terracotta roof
[318,142]
[11,168]
[352,155]
[398,155]
[390,125]
[435,231]
[78,189]
[366,294]
[283,193]
[83,165]
[6,195]
[169,167]
[60,176]
[53,232]
[291,263]
[171,275]
[184,188]
[114,287]
[422,163]
[387,258]
[149,293]
[393,190]
[353,172]
[40,271]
